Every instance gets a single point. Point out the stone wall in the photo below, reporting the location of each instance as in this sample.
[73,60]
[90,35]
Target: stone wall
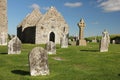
[27,28]
[40,29]
[52,25]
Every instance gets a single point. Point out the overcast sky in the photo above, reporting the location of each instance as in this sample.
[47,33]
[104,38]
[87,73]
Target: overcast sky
[97,14]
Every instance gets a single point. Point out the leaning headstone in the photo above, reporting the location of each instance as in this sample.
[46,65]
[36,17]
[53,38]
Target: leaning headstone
[64,42]
[104,44]
[50,47]
[38,62]
[14,46]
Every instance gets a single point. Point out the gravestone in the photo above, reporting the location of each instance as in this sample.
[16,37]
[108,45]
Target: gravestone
[104,44]
[64,42]
[73,40]
[50,47]
[113,41]
[94,40]
[14,46]
[77,41]
[38,62]
[69,41]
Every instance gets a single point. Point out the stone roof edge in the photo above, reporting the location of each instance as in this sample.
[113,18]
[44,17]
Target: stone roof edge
[19,25]
[44,15]
[26,17]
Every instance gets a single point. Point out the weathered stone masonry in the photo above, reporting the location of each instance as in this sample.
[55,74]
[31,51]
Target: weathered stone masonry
[3,22]
[40,29]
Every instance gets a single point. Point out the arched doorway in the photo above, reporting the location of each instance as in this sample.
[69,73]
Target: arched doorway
[52,37]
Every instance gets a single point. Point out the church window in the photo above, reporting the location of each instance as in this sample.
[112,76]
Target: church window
[52,37]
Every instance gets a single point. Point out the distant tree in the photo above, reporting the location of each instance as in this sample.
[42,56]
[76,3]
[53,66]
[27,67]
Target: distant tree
[71,37]
[117,39]
[9,37]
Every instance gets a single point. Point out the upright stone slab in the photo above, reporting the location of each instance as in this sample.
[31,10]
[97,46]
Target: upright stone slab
[38,62]
[3,22]
[77,41]
[50,47]
[113,41]
[94,40]
[14,46]
[64,41]
[104,44]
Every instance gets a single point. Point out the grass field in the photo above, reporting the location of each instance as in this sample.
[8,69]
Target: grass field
[78,63]
[99,37]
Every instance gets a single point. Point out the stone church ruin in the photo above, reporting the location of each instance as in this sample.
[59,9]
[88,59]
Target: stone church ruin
[40,28]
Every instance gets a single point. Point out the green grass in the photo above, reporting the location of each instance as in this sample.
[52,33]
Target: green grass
[99,37]
[79,63]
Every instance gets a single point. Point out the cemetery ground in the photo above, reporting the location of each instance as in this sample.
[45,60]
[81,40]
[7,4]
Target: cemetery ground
[73,63]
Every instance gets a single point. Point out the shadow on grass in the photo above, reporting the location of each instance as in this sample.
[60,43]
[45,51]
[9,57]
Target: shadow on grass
[4,53]
[20,72]
[57,47]
[118,74]
[90,50]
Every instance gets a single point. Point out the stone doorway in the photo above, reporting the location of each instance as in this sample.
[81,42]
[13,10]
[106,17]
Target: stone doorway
[52,37]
